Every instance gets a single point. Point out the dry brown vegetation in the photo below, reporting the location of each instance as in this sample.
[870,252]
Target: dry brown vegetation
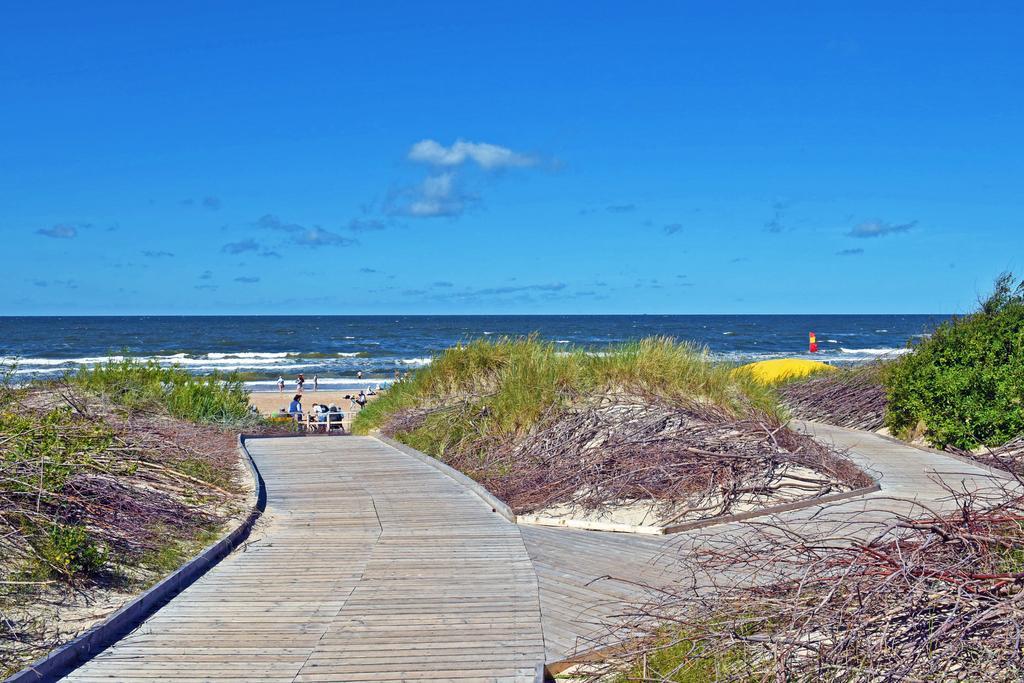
[852,397]
[95,504]
[694,457]
[922,597]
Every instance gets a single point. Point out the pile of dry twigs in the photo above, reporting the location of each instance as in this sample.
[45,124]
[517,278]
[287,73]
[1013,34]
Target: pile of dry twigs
[694,458]
[927,597]
[853,398]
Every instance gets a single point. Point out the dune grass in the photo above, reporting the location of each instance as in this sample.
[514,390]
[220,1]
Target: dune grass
[215,398]
[512,382]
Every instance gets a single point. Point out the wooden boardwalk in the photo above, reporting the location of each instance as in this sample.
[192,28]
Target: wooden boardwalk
[370,566]
[366,566]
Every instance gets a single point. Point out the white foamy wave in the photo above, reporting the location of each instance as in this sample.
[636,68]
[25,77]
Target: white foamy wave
[247,354]
[875,352]
[561,341]
[55,362]
[413,362]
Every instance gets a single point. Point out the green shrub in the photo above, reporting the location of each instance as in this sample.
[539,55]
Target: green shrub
[148,386]
[965,384]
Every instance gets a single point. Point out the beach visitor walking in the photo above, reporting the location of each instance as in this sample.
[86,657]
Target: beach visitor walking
[316,383]
[280,384]
[359,374]
[299,382]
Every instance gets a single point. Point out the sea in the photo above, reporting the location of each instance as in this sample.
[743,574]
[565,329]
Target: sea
[337,348]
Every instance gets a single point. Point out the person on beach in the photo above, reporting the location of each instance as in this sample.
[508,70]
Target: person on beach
[280,384]
[359,374]
[295,407]
[316,383]
[299,381]
[361,400]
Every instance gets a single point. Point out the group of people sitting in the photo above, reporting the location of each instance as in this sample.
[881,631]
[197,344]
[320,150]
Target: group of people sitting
[321,416]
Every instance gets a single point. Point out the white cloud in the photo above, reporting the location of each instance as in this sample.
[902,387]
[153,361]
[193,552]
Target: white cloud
[438,195]
[485,155]
[877,228]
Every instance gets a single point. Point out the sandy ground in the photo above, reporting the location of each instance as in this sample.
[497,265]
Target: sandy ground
[268,402]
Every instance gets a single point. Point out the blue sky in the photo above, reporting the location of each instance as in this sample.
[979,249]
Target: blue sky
[250,157]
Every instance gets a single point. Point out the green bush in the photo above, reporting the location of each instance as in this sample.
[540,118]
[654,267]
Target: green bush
[148,386]
[964,386]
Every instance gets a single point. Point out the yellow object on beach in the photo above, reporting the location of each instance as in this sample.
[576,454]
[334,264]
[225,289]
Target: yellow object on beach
[779,369]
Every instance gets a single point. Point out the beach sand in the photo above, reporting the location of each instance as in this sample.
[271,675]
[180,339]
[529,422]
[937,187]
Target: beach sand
[268,402]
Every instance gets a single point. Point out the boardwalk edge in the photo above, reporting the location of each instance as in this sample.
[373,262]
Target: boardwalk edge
[93,641]
[481,492]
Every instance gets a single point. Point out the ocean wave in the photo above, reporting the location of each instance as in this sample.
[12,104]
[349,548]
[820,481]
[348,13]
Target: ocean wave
[246,354]
[875,352]
[413,362]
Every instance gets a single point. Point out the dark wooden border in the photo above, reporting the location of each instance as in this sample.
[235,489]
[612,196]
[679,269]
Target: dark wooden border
[122,622]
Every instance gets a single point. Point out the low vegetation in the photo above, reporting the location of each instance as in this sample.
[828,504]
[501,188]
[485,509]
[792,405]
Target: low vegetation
[653,420]
[104,488]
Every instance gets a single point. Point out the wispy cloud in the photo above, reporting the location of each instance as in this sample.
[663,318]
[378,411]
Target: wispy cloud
[69,284]
[673,228]
[317,236]
[241,246]
[366,225]
[877,228]
[849,252]
[492,291]
[206,275]
[63,231]
[368,271]
[485,155]
[443,283]
[310,237]
[211,203]
[437,196]
[247,279]
[774,225]
[620,208]
[157,254]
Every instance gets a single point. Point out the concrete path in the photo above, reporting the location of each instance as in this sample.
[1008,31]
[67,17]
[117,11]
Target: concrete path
[369,566]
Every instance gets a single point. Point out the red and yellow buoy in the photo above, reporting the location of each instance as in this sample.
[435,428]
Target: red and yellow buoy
[813,342]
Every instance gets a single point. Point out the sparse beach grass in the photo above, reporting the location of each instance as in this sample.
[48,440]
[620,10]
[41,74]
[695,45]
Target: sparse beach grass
[518,380]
